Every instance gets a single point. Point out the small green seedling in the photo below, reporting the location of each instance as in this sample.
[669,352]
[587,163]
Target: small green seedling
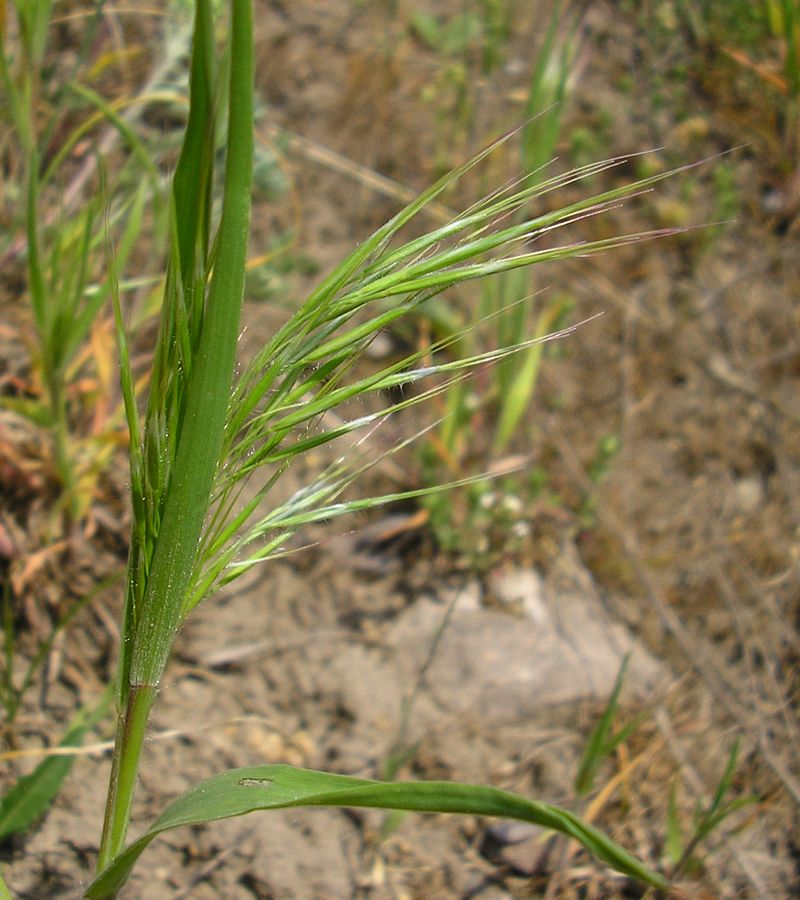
[680,847]
[604,739]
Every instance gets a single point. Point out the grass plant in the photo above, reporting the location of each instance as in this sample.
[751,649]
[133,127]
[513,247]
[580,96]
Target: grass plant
[469,45]
[207,433]
[204,435]
[64,240]
[63,207]
[783,17]
[31,796]
[763,38]
[680,847]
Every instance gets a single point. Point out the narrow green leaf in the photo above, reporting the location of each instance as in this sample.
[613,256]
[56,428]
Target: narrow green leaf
[191,184]
[73,318]
[92,297]
[728,810]
[35,274]
[139,525]
[518,392]
[718,810]
[137,148]
[32,795]
[597,747]
[674,833]
[209,391]
[547,92]
[241,791]
[725,781]
[35,18]
[35,411]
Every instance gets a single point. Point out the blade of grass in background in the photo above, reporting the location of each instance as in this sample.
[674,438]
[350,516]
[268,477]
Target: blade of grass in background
[62,242]
[604,740]
[33,794]
[512,303]
[706,819]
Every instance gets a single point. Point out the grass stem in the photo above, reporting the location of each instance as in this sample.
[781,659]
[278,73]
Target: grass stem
[151,628]
[131,727]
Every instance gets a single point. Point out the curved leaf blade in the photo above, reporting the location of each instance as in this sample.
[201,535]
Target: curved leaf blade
[241,791]
[33,795]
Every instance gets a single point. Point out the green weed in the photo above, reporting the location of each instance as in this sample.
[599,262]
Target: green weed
[61,230]
[681,847]
[762,38]
[65,238]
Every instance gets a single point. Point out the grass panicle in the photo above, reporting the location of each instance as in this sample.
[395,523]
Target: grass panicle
[283,401]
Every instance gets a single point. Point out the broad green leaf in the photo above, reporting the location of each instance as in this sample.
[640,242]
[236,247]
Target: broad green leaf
[241,791]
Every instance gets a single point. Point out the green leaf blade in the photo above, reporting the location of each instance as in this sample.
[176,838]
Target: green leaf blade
[600,742]
[203,422]
[241,791]
[31,796]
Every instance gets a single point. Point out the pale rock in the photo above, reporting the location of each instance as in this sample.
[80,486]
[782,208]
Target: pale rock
[521,589]
[748,494]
